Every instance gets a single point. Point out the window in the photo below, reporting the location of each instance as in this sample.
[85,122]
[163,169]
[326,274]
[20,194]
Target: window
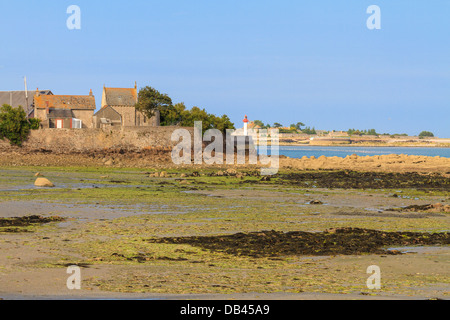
[77,124]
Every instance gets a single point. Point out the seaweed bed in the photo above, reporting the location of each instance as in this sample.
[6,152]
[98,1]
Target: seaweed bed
[342,241]
[7,223]
[368,180]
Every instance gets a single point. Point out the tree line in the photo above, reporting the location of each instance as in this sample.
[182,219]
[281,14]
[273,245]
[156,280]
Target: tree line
[151,101]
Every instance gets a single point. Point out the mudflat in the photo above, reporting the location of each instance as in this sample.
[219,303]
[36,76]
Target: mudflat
[223,233]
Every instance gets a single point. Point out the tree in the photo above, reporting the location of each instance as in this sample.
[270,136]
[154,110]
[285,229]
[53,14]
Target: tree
[299,125]
[173,115]
[209,121]
[277,125]
[151,100]
[426,134]
[308,130]
[259,123]
[14,124]
[222,123]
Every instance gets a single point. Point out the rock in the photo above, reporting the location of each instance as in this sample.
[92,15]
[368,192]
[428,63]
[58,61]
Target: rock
[38,174]
[43,182]
[316,202]
[184,182]
[394,252]
[231,172]
[109,163]
[183,175]
[219,173]
[163,174]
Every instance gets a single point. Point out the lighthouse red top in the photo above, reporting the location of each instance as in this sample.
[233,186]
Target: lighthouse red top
[245,120]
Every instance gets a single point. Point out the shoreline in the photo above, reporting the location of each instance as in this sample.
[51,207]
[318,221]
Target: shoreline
[162,160]
[362,146]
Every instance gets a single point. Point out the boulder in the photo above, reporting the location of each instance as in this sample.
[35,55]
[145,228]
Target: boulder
[43,182]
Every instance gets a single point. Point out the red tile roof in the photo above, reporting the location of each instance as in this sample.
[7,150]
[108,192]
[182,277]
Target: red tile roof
[65,102]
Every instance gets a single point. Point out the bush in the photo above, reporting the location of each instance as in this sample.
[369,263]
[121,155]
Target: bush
[426,134]
[14,124]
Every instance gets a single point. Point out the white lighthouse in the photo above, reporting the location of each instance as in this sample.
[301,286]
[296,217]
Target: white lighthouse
[245,126]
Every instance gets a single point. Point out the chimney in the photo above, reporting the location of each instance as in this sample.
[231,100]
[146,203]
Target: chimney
[37,92]
[91,94]
[135,85]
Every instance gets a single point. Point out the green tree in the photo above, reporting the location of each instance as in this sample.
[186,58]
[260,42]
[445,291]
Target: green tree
[259,123]
[299,125]
[151,100]
[221,123]
[277,125]
[14,124]
[426,134]
[173,115]
[209,121]
[308,130]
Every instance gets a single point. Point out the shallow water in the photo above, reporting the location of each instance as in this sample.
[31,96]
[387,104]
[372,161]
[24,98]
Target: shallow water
[421,249]
[342,152]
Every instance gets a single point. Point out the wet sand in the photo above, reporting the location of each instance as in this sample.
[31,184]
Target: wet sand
[109,236]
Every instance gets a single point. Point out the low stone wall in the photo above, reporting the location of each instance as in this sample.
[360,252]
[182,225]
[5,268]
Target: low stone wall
[72,140]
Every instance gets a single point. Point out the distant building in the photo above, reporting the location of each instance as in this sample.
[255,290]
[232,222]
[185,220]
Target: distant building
[118,109]
[252,125]
[65,111]
[21,98]
[338,134]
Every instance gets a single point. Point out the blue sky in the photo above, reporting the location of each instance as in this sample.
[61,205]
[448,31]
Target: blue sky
[277,61]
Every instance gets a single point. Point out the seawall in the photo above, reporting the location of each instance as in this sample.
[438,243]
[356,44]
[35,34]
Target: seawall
[89,140]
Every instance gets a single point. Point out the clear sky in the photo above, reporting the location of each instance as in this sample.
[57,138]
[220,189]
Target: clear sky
[313,61]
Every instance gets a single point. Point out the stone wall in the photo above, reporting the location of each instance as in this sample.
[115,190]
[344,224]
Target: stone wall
[73,140]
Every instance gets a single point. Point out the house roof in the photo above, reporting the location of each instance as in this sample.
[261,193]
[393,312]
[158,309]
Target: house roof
[59,113]
[65,102]
[18,98]
[120,96]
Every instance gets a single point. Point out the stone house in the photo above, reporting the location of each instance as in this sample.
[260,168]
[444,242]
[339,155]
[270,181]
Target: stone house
[65,111]
[118,109]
